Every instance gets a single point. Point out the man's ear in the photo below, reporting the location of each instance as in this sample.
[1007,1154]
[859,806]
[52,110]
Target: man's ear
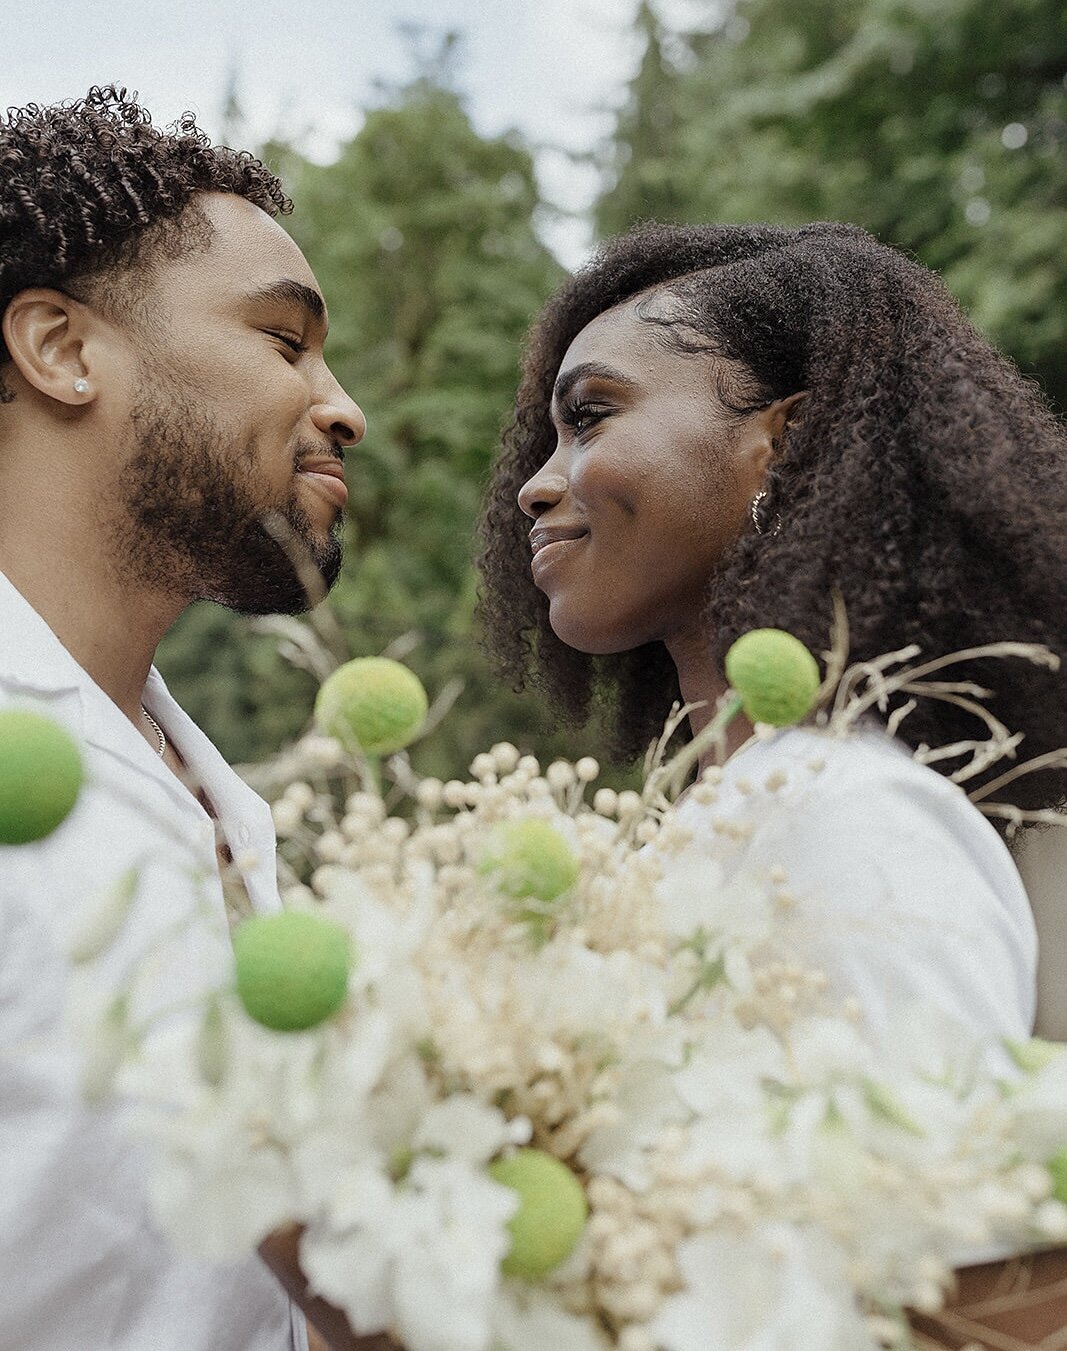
[47,336]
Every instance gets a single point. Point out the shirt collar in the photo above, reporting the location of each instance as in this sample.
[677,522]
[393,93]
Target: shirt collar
[34,663]
[31,655]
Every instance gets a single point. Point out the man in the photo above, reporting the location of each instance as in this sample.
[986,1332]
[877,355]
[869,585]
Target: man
[169,430]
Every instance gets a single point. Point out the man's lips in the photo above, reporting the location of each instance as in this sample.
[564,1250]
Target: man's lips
[326,474]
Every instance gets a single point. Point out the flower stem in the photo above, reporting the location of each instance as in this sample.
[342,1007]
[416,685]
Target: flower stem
[676,770]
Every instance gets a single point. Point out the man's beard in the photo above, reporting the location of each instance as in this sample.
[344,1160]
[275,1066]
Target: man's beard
[193,524]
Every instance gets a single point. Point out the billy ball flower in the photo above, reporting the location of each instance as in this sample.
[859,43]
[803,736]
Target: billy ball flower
[41,775]
[374,701]
[775,676]
[529,861]
[1057,1167]
[551,1215]
[292,969]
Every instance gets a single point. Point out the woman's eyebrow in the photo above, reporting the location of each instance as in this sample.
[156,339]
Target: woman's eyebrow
[294,293]
[584,371]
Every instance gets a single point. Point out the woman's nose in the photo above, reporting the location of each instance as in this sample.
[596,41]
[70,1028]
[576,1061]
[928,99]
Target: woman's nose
[541,492]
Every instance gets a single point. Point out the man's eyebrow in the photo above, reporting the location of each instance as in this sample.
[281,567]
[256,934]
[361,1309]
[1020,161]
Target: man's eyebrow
[290,292]
[586,370]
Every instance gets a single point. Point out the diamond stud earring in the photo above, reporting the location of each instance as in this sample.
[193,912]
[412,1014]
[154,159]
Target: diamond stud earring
[81,385]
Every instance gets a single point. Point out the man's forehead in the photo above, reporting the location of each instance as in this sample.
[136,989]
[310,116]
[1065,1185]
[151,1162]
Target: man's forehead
[251,247]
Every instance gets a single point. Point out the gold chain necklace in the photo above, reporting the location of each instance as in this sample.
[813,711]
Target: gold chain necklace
[158,731]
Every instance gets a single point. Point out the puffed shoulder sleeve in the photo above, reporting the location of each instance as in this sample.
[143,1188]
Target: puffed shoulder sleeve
[905,892]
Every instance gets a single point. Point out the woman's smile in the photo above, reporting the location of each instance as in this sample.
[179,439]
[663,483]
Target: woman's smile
[551,544]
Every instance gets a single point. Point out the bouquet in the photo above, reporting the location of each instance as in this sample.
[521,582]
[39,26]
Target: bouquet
[531,1065]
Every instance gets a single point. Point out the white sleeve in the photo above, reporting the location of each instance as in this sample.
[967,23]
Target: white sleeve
[906,893]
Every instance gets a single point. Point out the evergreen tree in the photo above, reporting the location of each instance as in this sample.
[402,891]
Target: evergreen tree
[641,155]
[940,127]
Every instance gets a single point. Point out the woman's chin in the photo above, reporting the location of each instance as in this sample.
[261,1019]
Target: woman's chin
[589,635]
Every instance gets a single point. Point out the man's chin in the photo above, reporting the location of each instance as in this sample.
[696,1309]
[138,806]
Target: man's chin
[283,584]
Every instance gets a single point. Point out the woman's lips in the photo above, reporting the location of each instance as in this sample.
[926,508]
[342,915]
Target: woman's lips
[551,552]
[327,477]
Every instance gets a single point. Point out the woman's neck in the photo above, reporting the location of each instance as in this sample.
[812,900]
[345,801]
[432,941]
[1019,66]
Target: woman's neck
[703,684]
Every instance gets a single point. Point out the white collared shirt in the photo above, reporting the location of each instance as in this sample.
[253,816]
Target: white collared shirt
[81,1266]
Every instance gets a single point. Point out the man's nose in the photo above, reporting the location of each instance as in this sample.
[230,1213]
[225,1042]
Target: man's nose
[339,417]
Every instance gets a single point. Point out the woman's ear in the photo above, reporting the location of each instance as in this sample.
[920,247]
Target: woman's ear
[784,412]
[763,431]
[46,332]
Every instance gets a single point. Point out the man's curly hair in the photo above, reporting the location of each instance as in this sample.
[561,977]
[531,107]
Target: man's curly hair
[924,478]
[91,187]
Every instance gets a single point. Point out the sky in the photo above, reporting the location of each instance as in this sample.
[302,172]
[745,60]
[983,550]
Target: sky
[555,69]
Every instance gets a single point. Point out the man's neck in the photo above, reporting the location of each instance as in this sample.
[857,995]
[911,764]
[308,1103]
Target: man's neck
[109,626]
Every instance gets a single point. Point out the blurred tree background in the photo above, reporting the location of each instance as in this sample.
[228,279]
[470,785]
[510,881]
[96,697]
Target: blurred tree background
[939,125]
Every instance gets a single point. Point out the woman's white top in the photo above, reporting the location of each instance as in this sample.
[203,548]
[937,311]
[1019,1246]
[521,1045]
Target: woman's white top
[904,891]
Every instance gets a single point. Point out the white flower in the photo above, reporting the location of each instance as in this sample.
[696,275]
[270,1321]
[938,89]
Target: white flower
[777,1289]
[825,1049]
[447,1273]
[1039,1102]
[421,1258]
[221,1203]
[529,1319]
[694,894]
[647,1103]
[463,1128]
[351,1265]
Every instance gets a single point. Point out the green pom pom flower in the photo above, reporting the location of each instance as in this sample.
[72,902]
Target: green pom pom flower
[292,968]
[1034,1054]
[373,701]
[1058,1168]
[41,774]
[529,861]
[775,676]
[551,1215]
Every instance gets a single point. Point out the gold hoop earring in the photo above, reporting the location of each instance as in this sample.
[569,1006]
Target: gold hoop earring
[754,511]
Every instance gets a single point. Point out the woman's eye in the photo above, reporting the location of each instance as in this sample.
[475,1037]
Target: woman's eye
[581,416]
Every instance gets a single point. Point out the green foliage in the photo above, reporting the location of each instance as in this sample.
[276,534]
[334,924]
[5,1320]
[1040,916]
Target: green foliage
[904,116]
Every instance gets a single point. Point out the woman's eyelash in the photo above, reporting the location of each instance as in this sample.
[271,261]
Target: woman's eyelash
[294,343]
[576,414]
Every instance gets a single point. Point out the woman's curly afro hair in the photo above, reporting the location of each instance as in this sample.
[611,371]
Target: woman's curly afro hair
[924,479]
[91,185]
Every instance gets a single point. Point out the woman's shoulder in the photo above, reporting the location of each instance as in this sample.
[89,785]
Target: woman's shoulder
[903,888]
[859,822]
[816,768]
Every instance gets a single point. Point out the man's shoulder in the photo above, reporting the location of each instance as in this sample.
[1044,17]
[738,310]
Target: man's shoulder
[32,659]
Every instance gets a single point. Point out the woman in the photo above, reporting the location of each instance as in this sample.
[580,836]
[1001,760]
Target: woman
[717,428]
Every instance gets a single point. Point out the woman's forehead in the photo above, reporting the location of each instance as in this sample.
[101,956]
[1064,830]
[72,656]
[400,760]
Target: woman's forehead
[618,332]
[632,336]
